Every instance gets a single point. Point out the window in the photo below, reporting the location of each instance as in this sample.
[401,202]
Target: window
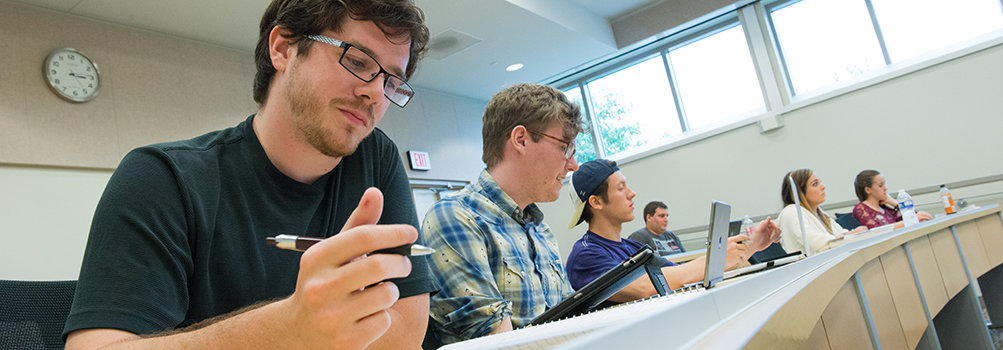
[649,97]
[825,41]
[716,78]
[633,106]
[585,149]
[912,27]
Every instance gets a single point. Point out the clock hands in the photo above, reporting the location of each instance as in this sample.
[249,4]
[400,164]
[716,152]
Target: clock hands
[78,76]
[75,75]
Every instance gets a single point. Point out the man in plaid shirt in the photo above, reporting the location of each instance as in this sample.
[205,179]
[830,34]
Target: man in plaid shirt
[496,261]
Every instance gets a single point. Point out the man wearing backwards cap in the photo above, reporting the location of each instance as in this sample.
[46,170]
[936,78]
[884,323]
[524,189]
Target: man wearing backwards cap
[601,197]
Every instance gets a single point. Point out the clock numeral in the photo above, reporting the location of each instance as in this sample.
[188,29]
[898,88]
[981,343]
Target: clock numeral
[57,82]
[88,68]
[53,71]
[64,88]
[60,57]
[72,57]
[55,64]
[74,92]
[90,85]
[85,91]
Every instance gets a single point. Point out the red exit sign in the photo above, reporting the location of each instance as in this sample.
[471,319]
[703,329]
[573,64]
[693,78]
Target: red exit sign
[419,160]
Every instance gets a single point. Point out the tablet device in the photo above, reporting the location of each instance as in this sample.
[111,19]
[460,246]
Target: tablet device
[717,243]
[645,261]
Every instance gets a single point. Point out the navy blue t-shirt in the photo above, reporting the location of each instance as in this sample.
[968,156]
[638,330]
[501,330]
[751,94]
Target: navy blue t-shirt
[593,255]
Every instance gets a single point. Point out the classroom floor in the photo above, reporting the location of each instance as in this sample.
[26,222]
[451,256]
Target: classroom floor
[995,333]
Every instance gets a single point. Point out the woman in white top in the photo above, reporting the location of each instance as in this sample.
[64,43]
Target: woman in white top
[821,228]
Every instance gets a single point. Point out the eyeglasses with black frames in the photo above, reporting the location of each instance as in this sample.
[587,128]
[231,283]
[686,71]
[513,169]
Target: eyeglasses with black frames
[366,68]
[569,146]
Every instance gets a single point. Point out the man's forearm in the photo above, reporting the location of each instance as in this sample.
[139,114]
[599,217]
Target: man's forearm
[409,320]
[242,330]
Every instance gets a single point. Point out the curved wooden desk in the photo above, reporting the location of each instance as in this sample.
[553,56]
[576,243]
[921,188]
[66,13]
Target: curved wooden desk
[905,289]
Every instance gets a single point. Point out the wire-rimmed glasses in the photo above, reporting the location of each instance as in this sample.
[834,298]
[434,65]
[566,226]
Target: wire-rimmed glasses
[569,146]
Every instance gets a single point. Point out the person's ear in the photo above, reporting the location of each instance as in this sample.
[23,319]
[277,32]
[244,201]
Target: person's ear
[519,138]
[280,49]
[868,190]
[595,202]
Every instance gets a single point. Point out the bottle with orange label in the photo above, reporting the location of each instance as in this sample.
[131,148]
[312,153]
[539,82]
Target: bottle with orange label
[947,200]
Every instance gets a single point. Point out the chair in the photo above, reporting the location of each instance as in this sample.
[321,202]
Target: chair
[32,313]
[847,221]
[774,251]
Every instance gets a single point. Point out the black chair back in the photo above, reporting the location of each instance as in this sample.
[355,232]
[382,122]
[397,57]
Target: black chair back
[32,313]
[847,221]
[774,251]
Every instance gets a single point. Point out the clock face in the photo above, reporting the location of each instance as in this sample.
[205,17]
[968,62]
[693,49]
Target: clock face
[72,76]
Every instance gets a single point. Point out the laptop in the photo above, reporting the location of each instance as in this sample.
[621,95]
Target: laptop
[645,261]
[717,243]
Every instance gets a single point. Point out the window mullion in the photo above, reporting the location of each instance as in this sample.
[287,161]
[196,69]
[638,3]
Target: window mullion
[781,56]
[755,34]
[877,31]
[684,125]
[588,116]
[594,125]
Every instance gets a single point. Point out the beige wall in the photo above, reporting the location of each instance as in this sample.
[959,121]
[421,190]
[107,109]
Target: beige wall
[154,88]
[56,156]
[936,125]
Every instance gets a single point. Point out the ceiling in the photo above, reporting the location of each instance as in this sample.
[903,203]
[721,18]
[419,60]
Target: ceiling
[547,36]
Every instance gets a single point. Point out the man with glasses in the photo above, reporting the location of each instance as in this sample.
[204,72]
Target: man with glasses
[178,241]
[654,233]
[496,261]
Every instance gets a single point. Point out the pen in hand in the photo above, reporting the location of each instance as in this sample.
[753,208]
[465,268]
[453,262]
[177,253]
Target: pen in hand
[300,243]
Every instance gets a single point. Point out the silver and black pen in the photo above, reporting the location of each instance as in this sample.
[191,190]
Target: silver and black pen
[301,243]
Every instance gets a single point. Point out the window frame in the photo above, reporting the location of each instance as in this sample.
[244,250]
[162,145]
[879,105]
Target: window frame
[769,63]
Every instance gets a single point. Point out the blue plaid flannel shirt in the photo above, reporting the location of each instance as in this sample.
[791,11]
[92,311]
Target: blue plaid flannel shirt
[492,260]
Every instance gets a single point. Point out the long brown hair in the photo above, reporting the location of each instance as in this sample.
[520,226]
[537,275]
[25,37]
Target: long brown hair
[864,180]
[801,177]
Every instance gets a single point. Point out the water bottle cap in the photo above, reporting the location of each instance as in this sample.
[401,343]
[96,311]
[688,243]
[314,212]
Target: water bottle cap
[941,185]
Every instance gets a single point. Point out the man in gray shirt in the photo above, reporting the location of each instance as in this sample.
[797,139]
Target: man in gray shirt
[653,234]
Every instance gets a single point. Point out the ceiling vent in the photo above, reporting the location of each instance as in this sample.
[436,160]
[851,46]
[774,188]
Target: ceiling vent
[449,42]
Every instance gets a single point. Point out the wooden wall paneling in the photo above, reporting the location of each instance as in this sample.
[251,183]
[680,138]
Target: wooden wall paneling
[972,247]
[952,269]
[844,322]
[904,294]
[882,306]
[928,270]
[817,339]
[991,230]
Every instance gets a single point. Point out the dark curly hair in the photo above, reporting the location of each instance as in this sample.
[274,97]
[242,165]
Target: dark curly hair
[399,20]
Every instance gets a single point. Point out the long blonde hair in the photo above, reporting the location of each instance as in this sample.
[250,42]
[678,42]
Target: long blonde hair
[801,177]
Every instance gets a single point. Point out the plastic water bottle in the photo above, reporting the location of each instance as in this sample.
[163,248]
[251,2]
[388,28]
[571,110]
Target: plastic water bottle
[747,226]
[948,200]
[906,207]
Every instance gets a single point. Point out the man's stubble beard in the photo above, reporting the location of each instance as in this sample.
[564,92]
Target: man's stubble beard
[309,119]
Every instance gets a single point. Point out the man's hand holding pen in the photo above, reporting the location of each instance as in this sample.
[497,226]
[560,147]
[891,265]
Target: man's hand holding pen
[330,307]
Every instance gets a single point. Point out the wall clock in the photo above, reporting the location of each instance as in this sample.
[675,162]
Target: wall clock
[72,75]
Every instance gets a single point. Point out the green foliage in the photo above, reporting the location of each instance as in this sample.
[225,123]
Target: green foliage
[617,134]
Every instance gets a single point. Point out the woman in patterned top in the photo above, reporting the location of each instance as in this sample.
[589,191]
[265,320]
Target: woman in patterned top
[876,207]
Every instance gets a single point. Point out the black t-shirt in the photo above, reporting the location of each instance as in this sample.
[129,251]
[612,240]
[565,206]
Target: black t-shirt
[179,233]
